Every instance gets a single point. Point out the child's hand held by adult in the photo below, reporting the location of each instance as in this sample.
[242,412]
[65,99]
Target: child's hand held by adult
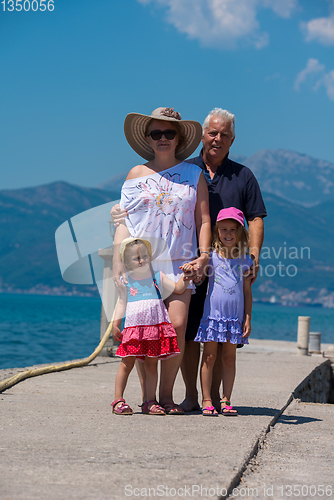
[188,271]
[195,270]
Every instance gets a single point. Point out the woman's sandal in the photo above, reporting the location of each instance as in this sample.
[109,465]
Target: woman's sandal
[152,408]
[212,412]
[172,409]
[121,409]
[228,410]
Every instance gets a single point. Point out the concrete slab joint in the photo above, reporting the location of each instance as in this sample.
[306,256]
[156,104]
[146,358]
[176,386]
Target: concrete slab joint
[317,387]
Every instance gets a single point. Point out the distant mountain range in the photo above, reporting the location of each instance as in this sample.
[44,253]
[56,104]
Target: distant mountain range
[296,235]
[29,218]
[293,176]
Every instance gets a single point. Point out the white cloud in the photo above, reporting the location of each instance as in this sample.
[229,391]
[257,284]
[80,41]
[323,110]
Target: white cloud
[320,29]
[329,84]
[283,8]
[316,72]
[222,23]
[313,67]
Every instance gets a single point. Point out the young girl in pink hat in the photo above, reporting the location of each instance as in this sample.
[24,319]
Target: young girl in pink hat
[228,305]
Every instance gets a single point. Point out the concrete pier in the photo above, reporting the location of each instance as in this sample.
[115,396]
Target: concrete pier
[59,438]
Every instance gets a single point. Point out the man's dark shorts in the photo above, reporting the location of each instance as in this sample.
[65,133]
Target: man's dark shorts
[196,310]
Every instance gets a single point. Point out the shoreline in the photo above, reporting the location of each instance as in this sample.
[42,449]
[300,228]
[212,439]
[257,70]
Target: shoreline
[53,292]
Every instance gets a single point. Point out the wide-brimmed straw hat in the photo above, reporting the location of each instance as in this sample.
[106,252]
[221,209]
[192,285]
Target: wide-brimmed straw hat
[135,125]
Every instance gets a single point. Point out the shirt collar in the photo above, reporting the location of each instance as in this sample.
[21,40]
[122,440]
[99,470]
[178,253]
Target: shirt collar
[220,167]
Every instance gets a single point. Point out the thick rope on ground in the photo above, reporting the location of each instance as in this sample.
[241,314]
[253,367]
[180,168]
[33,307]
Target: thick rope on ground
[9,382]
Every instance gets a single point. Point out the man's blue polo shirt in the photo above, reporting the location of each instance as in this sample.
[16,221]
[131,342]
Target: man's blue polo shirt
[233,185]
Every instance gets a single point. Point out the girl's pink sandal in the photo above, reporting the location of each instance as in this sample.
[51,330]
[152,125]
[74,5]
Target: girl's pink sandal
[122,409]
[210,410]
[228,410]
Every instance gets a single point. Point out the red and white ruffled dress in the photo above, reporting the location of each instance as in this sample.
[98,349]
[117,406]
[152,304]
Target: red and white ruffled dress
[147,329]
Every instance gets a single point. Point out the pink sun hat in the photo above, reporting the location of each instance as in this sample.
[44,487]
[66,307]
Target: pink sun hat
[231,213]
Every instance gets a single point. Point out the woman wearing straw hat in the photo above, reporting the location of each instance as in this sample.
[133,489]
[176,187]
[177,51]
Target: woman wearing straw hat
[167,199]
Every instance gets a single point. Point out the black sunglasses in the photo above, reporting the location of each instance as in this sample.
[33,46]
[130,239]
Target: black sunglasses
[157,134]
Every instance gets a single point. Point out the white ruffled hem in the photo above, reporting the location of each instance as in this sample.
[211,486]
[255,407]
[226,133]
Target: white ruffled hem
[224,330]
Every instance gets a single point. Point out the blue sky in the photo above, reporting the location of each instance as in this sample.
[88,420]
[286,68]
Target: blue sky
[69,77]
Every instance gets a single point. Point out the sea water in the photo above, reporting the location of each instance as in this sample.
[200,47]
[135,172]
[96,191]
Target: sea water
[38,329]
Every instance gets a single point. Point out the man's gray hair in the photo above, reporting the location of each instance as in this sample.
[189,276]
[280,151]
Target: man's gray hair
[222,113]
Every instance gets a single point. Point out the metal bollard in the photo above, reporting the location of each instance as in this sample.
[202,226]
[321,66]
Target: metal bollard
[315,342]
[303,335]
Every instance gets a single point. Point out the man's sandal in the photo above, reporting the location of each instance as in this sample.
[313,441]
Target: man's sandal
[228,410]
[152,408]
[121,409]
[211,410]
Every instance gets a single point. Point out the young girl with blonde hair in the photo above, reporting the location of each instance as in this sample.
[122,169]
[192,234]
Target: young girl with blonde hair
[228,305]
[148,334]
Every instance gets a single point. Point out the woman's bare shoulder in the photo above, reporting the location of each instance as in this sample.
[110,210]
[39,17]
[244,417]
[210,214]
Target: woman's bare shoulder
[137,171]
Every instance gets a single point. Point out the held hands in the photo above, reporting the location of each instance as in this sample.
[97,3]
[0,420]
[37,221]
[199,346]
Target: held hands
[187,270]
[118,215]
[195,270]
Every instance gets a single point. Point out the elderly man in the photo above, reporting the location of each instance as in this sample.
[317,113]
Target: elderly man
[230,185]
